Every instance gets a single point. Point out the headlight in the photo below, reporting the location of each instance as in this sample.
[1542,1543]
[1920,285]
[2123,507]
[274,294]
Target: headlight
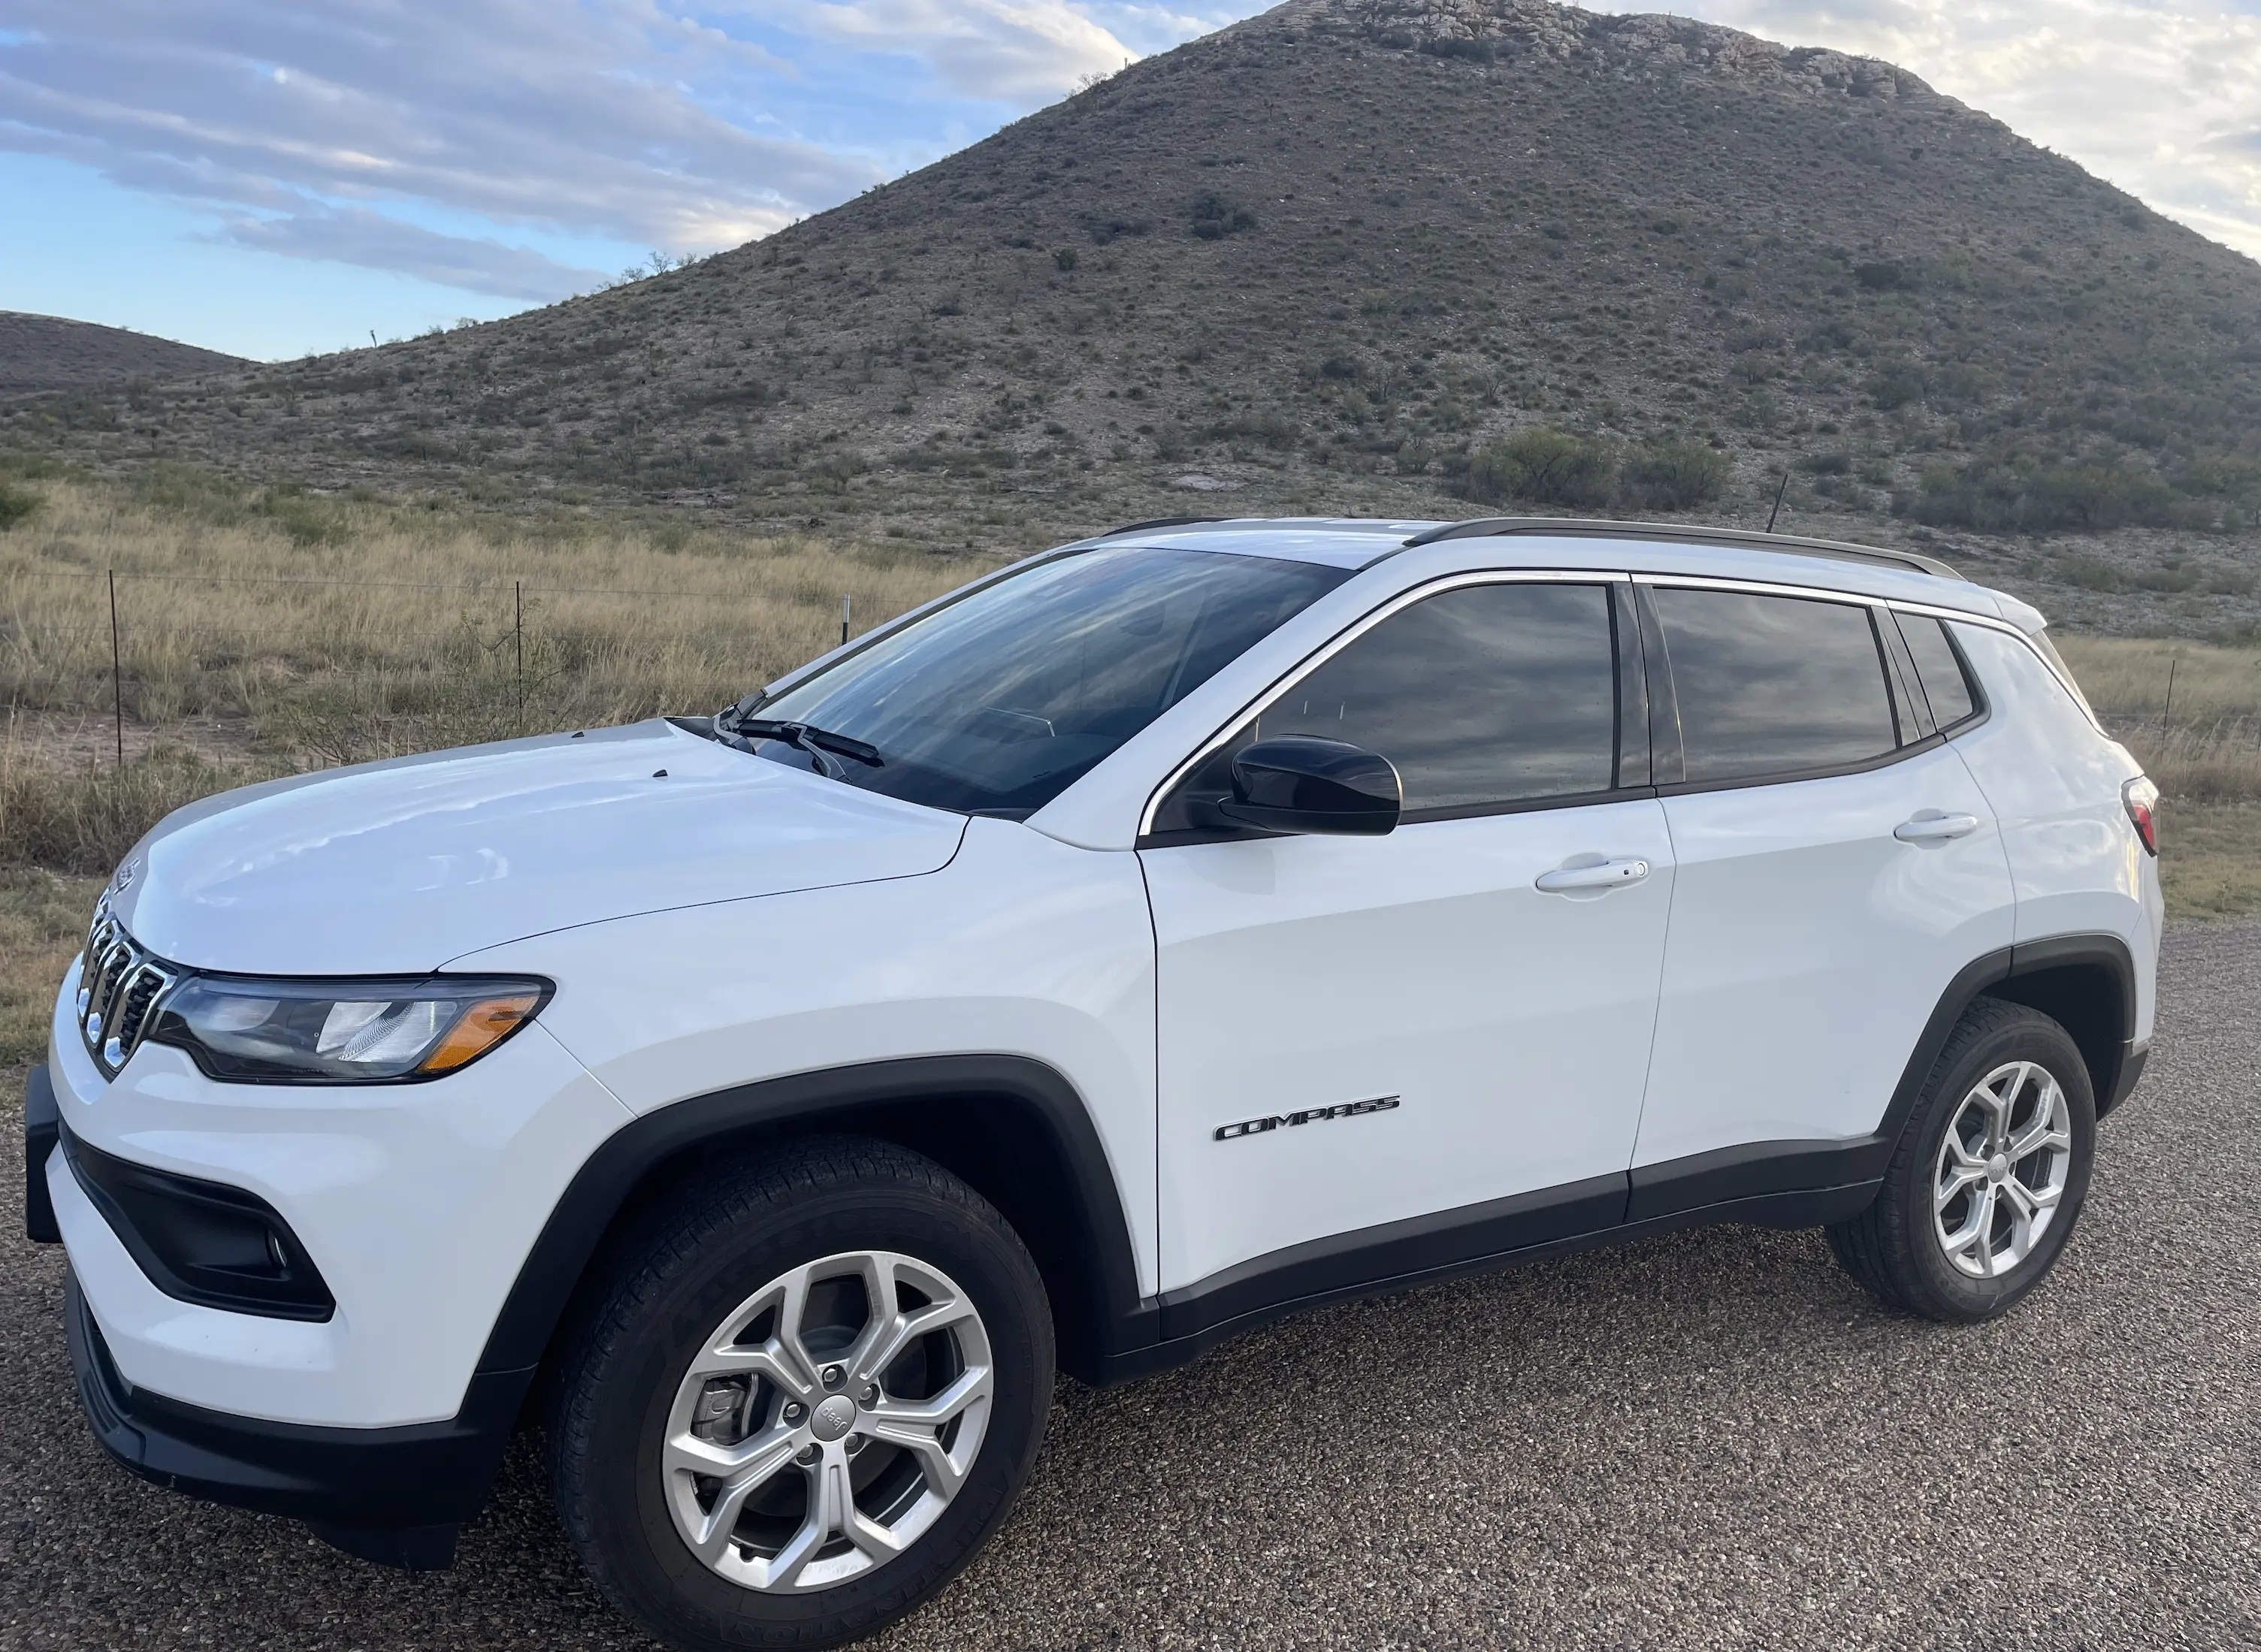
[344,1032]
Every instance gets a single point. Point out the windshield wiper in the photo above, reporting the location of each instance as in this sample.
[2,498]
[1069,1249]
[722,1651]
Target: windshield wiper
[809,738]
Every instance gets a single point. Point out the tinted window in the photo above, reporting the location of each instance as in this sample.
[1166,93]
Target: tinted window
[1773,685]
[999,701]
[1944,685]
[1490,694]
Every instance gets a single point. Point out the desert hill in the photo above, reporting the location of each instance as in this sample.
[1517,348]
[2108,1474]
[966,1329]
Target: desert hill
[47,352]
[1408,256]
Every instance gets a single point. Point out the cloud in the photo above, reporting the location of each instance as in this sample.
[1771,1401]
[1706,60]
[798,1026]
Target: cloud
[497,145]
[535,116]
[1007,51]
[2163,97]
[376,241]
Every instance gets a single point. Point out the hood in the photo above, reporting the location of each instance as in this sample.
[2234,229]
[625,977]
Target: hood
[398,866]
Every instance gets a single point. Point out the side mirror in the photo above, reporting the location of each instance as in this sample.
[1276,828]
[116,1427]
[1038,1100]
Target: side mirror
[1297,782]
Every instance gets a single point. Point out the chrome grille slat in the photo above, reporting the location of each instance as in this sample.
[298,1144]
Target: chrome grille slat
[120,986]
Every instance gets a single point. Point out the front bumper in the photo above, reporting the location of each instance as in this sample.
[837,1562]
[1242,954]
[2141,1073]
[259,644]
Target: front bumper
[416,1204]
[395,1495]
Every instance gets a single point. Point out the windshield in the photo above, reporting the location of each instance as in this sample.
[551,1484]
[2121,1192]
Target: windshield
[996,703]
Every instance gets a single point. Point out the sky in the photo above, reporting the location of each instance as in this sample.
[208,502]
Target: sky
[280,177]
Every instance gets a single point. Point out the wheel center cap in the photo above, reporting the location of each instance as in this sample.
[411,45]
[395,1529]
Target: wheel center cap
[1998,1167]
[834,1418]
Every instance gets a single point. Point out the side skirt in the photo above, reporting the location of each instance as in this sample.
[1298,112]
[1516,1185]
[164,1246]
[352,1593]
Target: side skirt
[1770,1185]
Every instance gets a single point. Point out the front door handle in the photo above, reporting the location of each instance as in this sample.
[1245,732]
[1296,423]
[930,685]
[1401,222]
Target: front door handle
[1601,875]
[1929,825]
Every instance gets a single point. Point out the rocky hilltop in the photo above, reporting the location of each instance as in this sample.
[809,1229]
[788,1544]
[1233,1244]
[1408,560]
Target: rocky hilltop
[1410,256]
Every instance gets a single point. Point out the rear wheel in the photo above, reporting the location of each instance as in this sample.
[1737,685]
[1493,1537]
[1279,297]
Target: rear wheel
[1989,1176]
[811,1394]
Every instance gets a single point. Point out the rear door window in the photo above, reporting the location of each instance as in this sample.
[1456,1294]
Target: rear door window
[1770,686]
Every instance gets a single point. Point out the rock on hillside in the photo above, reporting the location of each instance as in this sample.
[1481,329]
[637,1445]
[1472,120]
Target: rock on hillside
[1332,259]
[47,352]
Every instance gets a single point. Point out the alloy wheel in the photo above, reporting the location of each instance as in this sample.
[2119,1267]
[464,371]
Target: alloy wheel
[2002,1168]
[825,1425]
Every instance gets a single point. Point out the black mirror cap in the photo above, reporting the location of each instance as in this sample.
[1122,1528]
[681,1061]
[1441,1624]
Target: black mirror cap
[1298,782]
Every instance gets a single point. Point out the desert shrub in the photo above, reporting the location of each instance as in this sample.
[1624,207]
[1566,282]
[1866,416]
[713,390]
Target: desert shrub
[307,521]
[1216,217]
[1896,389]
[1672,474]
[1452,46]
[1541,463]
[2223,475]
[15,505]
[74,819]
[2025,495]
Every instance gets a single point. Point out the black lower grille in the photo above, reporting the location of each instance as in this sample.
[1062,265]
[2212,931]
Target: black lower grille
[204,1243]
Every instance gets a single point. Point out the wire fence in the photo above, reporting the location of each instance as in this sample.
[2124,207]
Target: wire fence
[293,671]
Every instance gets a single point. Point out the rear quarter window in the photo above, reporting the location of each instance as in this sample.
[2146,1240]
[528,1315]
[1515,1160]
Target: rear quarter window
[1945,681]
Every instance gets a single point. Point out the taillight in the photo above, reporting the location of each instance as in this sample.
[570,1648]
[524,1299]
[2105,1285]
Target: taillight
[2143,800]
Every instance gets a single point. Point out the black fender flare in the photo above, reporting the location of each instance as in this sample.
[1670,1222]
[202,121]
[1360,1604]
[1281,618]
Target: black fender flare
[578,1225]
[2097,949]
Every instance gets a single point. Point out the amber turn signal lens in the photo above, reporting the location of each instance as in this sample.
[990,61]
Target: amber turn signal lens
[483,1024]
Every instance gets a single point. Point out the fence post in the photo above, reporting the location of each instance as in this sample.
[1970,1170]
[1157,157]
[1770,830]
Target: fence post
[2168,710]
[116,674]
[518,636]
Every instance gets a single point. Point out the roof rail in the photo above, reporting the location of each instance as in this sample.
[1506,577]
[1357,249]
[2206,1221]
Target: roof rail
[1159,522]
[1583,527]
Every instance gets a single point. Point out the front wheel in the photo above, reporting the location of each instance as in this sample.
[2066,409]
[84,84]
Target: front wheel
[1989,1176]
[811,1394]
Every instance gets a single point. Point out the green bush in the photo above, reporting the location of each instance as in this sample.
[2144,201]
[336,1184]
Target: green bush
[1672,475]
[15,505]
[2023,495]
[1548,466]
[1215,218]
[2225,475]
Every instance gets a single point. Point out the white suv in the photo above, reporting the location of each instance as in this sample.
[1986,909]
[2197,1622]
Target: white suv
[1190,924]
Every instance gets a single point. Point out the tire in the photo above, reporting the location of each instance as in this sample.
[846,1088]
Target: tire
[747,1293]
[1991,1241]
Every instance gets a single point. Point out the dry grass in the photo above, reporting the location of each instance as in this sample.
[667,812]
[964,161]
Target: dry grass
[2204,748]
[223,614]
[42,921]
[267,632]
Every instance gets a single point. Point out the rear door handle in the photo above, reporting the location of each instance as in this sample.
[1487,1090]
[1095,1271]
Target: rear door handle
[1930,826]
[1602,874]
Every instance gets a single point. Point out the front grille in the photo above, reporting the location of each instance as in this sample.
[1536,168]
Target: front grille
[120,987]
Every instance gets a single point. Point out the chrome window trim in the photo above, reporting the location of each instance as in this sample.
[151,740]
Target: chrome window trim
[1930,611]
[1958,617]
[1269,696]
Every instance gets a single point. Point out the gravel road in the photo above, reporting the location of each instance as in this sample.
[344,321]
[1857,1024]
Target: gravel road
[1707,1440]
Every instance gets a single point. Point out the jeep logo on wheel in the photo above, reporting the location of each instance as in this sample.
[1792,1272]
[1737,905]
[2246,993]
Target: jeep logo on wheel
[1309,1115]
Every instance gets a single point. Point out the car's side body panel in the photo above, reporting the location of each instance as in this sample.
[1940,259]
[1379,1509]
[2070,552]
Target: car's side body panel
[1808,946]
[1505,1028]
[1022,946]
[2053,781]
